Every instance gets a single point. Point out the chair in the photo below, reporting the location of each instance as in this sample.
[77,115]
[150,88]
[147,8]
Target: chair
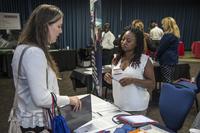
[181,71]
[196,49]
[175,103]
[192,87]
[181,48]
[106,86]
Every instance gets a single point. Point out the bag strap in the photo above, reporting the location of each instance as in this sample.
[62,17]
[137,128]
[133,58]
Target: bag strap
[54,105]
[19,72]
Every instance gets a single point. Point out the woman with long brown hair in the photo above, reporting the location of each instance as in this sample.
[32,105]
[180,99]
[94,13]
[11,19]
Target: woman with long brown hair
[38,71]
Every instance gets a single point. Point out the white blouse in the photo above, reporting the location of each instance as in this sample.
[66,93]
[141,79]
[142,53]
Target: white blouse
[130,97]
[32,92]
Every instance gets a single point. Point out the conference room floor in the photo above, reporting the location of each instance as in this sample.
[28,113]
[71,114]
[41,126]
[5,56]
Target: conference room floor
[7,95]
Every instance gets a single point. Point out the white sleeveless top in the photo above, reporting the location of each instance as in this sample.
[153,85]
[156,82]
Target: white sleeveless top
[130,97]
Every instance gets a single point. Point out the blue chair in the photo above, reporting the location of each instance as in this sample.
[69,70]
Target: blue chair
[175,103]
[192,87]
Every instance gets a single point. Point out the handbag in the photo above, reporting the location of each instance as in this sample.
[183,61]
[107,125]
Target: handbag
[58,123]
[14,126]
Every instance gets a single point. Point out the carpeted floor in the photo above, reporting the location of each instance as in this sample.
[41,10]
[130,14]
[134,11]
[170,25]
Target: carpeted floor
[7,94]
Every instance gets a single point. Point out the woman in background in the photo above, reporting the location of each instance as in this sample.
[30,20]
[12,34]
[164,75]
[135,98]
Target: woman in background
[132,74]
[167,53]
[138,24]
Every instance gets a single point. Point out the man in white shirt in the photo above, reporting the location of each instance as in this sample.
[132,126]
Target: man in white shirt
[107,44]
[156,34]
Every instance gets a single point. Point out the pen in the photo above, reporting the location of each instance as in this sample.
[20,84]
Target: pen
[99,113]
[104,131]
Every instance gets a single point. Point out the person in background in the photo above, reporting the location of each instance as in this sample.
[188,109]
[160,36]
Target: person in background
[107,44]
[138,24]
[155,34]
[117,41]
[39,73]
[167,54]
[132,74]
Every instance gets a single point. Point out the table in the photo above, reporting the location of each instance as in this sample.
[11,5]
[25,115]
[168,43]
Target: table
[82,77]
[65,59]
[196,122]
[5,61]
[102,114]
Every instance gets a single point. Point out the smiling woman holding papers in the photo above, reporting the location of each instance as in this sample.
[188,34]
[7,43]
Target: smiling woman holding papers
[132,74]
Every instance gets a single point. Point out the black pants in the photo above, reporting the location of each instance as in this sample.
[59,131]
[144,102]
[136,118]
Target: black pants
[36,129]
[107,56]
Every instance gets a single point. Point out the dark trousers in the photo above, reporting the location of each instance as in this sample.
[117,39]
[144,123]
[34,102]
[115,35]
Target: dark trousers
[36,129]
[107,56]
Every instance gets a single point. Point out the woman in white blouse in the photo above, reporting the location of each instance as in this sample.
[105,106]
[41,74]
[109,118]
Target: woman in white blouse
[32,88]
[132,74]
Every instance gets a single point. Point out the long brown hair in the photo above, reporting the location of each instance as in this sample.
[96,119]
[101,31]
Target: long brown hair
[36,31]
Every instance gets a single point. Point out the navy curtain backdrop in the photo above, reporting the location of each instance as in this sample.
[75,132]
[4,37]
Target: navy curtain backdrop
[120,13]
[76,26]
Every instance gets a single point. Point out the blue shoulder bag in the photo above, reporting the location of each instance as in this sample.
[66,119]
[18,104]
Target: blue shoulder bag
[58,123]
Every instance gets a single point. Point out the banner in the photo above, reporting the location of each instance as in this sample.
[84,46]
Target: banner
[96,24]
[9,21]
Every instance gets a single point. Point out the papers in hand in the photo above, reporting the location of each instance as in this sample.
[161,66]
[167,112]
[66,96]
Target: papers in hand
[136,120]
[117,74]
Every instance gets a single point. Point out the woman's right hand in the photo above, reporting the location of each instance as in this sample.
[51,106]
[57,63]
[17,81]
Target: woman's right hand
[75,102]
[108,78]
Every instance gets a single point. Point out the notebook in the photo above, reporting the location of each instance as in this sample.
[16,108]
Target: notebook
[77,119]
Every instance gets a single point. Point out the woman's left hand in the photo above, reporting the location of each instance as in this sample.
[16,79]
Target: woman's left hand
[126,81]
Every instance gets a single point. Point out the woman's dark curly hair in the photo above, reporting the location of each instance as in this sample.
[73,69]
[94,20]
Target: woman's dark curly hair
[137,51]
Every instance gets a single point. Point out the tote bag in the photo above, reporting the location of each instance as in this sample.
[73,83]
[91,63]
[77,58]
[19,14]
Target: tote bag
[58,123]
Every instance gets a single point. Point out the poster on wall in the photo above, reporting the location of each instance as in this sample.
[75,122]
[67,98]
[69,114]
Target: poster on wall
[9,21]
[96,24]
